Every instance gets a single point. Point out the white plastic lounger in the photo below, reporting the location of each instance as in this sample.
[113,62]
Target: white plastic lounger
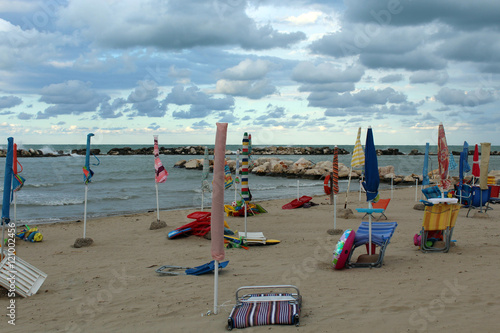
[28,279]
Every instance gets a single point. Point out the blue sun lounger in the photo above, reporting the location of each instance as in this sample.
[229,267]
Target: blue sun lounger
[198,270]
[381,235]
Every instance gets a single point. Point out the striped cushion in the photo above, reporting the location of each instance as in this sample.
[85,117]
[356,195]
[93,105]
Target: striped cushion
[381,232]
[249,314]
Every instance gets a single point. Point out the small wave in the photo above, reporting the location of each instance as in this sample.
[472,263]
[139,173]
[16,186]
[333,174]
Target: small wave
[49,150]
[52,202]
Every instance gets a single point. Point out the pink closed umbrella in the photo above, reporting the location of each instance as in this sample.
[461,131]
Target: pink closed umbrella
[443,158]
[217,231]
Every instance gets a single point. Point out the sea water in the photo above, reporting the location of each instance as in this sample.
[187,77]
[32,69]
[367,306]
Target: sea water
[54,190]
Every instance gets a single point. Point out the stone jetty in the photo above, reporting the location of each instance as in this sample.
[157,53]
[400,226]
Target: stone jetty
[303,168]
[200,150]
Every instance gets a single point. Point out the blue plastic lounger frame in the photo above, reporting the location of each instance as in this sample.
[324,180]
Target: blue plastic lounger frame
[198,270]
[381,235]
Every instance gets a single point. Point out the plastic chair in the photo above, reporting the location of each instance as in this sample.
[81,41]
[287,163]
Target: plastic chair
[382,233]
[380,205]
[440,220]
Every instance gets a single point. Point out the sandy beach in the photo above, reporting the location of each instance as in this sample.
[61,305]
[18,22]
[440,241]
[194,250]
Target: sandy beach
[112,286]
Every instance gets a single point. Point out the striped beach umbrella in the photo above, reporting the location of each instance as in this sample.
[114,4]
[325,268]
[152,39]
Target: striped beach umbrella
[335,188]
[358,156]
[358,159]
[160,174]
[335,184]
[245,191]
[443,158]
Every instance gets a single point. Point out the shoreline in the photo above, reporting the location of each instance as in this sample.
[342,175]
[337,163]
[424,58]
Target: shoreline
[112,285]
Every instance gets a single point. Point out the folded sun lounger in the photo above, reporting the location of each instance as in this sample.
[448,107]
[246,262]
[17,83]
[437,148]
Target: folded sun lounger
[265,308]
[381,235]
[198,270]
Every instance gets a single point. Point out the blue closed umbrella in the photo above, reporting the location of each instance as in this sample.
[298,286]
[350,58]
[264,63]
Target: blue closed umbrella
[425,171]
[7,187]
[466,157]
[372,179]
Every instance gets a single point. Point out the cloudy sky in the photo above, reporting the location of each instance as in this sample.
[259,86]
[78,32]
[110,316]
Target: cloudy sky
[287,71]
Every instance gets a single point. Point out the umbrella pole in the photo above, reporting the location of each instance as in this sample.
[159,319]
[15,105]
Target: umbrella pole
[157,204]
[298,186]
[216,285]
[416,189]
[245,207]
[335,212]
[370,230]
[392,186]
[202,199]
[15,213]
[348,187]
[85,211]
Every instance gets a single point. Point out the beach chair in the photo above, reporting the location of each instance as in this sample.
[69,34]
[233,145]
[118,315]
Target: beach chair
[463,194]
[265,308]
[381,236]
[479,199]
[28,278]
[380,205]
[430,193]
[438,224]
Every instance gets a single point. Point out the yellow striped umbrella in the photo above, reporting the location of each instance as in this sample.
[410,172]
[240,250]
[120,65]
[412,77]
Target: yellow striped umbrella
[358,156]
[358,159]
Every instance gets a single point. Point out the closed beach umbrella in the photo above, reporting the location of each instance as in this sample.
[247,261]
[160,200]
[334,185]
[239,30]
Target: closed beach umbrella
[485,162]
[217,218]
[453,164]
[245,191]
[160,174]
[476,171]
[425,170]
[335,187]
[466,155]
[372,179]
[461,168]
[17,182]
[443,158]
[7,185]
[237,174]
[358,159]
[87,176]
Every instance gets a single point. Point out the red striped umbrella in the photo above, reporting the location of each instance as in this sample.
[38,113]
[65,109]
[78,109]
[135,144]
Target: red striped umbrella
[443,158]
[335,188]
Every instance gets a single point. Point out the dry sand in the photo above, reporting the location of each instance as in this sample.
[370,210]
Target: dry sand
[112,286]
